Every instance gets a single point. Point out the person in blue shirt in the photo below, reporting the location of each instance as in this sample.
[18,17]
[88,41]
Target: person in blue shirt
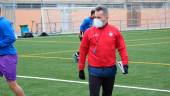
[8,55]
[87,23]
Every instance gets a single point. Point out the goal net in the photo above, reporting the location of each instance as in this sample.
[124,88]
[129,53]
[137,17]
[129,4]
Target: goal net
[62,20]
[7,8]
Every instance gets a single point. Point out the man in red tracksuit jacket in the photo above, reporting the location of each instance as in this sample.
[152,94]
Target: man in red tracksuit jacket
[100,43]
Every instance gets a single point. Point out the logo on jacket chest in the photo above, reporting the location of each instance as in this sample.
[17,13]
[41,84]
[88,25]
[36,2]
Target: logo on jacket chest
[110,34]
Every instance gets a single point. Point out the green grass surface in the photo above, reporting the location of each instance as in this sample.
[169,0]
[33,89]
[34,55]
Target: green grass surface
[50,57]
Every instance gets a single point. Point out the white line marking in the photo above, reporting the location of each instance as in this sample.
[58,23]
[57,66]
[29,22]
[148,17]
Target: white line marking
[64,51]
[148,44]
[150,39]
[80,82]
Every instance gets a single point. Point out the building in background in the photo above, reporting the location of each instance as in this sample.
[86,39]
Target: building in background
[65,16]
[8,9]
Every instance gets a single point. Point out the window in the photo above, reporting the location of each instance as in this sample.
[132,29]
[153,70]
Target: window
[36,5]
[153,5]
[23,6]
[118,6]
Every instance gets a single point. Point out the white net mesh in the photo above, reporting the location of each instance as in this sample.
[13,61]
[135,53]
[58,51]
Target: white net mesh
[8,9]
[63,20]
[48,15]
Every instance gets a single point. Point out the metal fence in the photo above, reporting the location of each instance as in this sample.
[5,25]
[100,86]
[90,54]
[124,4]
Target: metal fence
[55,27]
[133,15]
[8,9]
[125,14]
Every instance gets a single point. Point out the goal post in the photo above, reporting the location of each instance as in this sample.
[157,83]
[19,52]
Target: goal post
[63,20]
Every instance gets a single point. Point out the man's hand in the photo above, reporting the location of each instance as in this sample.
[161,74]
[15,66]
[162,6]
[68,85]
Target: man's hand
[126,69]
[81,75]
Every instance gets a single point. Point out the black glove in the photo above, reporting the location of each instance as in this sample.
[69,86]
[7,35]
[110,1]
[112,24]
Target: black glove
[126,69]
[81,75]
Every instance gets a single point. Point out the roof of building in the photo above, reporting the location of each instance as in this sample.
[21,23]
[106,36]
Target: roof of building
[80,1]
[87,1]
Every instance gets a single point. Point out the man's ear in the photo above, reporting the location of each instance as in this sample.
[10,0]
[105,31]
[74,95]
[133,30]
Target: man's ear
[107,16]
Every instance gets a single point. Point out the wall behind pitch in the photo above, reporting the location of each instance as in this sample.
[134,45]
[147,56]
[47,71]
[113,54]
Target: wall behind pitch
[26,16]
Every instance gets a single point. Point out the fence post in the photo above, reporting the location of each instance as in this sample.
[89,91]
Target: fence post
[160,24]
[120,25]
[148,24]
[36,28]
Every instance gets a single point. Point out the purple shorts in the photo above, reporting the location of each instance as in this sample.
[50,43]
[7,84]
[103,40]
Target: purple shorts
[8,65]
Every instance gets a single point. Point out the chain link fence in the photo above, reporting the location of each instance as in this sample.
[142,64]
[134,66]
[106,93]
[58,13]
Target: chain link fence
[8,9]
[125,14]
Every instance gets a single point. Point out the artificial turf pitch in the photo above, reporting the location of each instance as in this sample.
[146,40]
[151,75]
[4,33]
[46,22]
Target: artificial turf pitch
[51,57]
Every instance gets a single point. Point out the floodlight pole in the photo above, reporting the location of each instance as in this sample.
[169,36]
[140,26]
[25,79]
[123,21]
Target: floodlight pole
[165,5]
[42,23]
[14,12]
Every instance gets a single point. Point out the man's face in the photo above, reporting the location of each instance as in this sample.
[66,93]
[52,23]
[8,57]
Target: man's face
[100,15]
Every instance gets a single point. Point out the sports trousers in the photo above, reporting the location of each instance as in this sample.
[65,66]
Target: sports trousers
[95,83]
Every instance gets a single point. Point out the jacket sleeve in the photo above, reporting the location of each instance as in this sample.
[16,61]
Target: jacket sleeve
[8,34]
[121,46]
[84,48]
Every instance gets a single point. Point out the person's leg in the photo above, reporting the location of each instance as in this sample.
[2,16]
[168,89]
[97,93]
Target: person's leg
[1,66]
[16,88]
[94,85]
[76,55]
[9,71]
[107,86]
[1,75]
